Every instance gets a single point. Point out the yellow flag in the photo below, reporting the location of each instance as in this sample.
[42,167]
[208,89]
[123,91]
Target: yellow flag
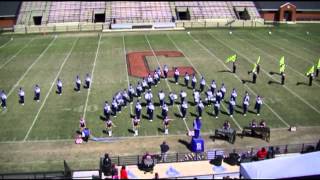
[258,61]
[231,58]
[281,61]
[311,70]
[282,68]
[254,67]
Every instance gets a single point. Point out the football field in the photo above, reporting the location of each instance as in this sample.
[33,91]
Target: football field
[27,60]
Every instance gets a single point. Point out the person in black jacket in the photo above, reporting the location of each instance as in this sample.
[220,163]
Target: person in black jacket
[106,165]
[164,147]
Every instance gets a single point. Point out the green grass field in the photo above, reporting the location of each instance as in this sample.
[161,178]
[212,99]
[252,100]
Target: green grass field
[36,59]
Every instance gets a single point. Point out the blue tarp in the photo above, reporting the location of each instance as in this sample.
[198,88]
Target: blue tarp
[283,167]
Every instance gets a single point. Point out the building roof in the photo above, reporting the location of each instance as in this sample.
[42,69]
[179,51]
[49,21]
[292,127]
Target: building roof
[301,5]
[9,8]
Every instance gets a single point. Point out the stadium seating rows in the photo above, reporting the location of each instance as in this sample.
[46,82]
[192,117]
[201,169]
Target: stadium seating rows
[128,11]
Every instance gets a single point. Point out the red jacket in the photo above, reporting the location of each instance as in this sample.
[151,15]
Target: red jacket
[123,174]
[262,154]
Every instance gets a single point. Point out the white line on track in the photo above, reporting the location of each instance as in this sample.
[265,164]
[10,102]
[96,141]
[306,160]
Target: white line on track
[5,44]
[221,61]
[165,79]
[12,57]
[94,65]
[273,57]
[288,89]
[30,67]
[125,60]
[48,93]
[188,59]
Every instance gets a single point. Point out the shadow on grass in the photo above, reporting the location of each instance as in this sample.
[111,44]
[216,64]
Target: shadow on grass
[161,130]
[187,144]
[246,81]
[131,131]
[222,71]
[273,82]
[272,73]
[302,83]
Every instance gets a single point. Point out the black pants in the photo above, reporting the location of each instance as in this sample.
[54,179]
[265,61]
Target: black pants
[182,99]
[171,102]
[245,109]
[193,84]
[165,74]
[222,95]
[230,110]
[78,87]
[37,96]
[130,96]
[114,110]
[176,78]
[282,79]
[213,90]
[150,113]
[310,80]
[216,110]
[186,82]
[234,68]
[201,87]
[87,84]
[21,100]
[3,103]
[254,78]
[183,112]
[161,102]
[199,112]
[59,89]
[106,114]
[317,72]
[257,107]
[138,114]
[164,113]
[138,93]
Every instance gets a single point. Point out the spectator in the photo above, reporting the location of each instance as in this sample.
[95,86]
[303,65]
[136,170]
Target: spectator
[277,151]
[106,165]
[123,173]
[271,152]
[164,150]
[262,154]
[147,163]
[114,172]
[318,146]
[156,176]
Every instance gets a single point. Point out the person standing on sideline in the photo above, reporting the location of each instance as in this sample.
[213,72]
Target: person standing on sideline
[183,108]
[216,108]
[202,84]
[258,105]
[21,96]
[138,109]
[176,75]
[150,110]
[37,93]
[213,86]
[78,83]
[3,100]
[193,82]
[88,81]
[186,79]
[232,103]
[165,71]
[164,148]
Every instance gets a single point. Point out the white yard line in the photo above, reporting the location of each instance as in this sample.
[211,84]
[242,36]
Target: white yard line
[198,72]
[5,44]
[166,79]
[94,65]
[288,89]
[30,67]
[48,93]
[12,57]
[273,57]
[300,38]
[283,49]
[221,61]
[125,60]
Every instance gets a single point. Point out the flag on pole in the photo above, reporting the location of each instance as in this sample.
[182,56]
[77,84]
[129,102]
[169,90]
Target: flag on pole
[282,68]
[281,61]
[311,70]
[231,58]
[254,68]
[258,61]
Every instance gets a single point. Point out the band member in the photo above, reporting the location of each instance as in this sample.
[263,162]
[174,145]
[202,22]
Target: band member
[82,124]
[253,123]
[219,96]
[193,82]
[3,100]
[196,96]
[88,81]
[150,81]
[150,110]
[200,108]
[131,93]
[176,75]
[226,125]
[186,79]
[144,84]
[216,108]
[21,96]
[183,108]
[114,107]
[164,111]
[263,124]
[139,90]
[135,125]
[107,110]
[156,78]
[162,96]
[138,109]
[159,73]
[223,90]
[37,93]
[310,78]
[109,127]
[172,98]
[234,94]
[202,84]
[245,105]
[254,77]
[183,96]
[78,83]
[125,97]
[232,103]
[210,97]
[165,71]
[166,122]
[283,77]
[213,86]
[258,105]
[148,96]
[59,87]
